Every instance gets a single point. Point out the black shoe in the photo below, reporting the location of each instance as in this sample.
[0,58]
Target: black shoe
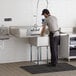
[51,64]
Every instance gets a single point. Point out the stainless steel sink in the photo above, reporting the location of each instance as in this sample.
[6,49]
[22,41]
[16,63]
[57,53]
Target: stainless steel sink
[4,33]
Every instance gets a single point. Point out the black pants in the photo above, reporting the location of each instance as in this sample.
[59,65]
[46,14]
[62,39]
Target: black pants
[54,42]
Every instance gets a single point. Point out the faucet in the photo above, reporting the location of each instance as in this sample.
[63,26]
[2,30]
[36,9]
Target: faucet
[35,28]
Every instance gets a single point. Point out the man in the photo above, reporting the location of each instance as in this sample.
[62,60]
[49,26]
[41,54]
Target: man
[51,22]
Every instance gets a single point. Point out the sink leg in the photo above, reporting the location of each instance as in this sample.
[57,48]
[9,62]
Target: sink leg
[47,54]
[38,55]
[31,53]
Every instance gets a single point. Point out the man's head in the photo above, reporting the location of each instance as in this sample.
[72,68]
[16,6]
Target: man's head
[45,12]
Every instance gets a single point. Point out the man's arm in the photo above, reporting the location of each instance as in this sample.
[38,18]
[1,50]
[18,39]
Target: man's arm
[43,30]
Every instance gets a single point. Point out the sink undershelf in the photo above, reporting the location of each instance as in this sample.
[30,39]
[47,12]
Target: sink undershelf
[4,37]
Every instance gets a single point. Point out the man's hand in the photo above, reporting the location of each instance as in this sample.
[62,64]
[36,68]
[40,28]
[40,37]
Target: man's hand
[41,34]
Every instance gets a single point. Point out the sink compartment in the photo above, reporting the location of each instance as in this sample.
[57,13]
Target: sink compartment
[4,33]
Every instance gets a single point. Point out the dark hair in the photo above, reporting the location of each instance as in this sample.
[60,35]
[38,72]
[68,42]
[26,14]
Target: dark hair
[45,11]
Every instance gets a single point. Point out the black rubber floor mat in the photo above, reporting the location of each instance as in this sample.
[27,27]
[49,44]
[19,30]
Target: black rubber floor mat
[43,68]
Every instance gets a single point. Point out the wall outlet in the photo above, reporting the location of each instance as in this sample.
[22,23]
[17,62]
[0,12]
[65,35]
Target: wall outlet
[7,19]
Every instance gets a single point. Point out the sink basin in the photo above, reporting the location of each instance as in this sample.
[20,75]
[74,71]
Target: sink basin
[39,41]
[17,31]
[4,33]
